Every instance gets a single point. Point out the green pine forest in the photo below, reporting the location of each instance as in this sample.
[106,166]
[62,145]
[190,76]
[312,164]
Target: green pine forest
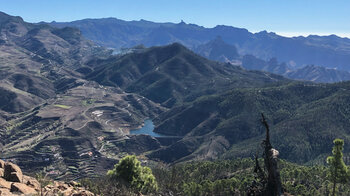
[224,177]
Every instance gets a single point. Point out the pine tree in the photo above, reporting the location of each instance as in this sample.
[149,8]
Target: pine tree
[337,167]
[129,170]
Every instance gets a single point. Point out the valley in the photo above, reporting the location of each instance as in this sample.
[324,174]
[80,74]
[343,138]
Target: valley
[75,108]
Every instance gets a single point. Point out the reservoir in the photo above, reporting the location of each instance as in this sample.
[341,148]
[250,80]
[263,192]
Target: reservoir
[147,129]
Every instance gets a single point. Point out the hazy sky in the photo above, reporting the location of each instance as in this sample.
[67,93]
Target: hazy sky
[287,17]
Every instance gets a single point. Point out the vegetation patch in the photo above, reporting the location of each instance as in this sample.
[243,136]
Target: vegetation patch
[88,102]
[63,106]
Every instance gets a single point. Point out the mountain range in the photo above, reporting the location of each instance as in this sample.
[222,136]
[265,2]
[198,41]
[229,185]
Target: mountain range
[312,73]
[327,51]
[68,104]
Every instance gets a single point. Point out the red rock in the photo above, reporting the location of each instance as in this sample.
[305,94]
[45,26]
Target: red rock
[22,188]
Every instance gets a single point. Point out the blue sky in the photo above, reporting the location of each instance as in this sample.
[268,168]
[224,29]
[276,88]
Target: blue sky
[286,17]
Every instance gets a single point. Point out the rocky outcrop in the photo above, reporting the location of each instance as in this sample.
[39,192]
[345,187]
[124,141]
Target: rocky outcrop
[13,182]
[4,191]
[5,184]
[17,187]
[66,189]
[2,165]
[31,182]
[12,172]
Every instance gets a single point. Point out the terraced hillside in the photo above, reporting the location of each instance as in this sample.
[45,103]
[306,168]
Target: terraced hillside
[79,133]
[50,116]
[37,61]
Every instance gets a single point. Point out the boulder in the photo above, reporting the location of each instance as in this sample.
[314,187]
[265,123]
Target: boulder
[4,184]
[14,182]
[74,184]
[31,182]
[14,177]
[83,193]
[62,187]
[12,172]
[1,172]
[6,192]
[2,164]
[22,188]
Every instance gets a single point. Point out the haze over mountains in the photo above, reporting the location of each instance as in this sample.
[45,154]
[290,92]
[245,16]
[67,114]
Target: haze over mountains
[328,51]
[309,72]
[68,104]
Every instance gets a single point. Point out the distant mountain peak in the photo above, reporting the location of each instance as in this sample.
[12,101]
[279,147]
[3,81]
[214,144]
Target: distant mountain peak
[177,46]
[182,23]
[267,34]
[218,50]
[5,18]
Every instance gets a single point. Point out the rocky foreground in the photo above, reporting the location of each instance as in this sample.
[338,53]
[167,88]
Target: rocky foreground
[13,182]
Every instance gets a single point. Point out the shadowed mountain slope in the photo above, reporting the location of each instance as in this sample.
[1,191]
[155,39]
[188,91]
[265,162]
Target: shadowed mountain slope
[173,74]
[304,119]
[218,50]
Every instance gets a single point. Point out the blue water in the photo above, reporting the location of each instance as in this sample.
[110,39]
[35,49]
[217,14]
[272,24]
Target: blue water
[147,129]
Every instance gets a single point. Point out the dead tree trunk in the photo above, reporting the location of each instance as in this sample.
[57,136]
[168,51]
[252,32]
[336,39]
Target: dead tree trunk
[274,185]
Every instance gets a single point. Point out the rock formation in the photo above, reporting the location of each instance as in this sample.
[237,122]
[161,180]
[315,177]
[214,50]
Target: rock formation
[13,182]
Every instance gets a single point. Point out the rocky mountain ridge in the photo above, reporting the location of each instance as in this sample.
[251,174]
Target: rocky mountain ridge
[327,51]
